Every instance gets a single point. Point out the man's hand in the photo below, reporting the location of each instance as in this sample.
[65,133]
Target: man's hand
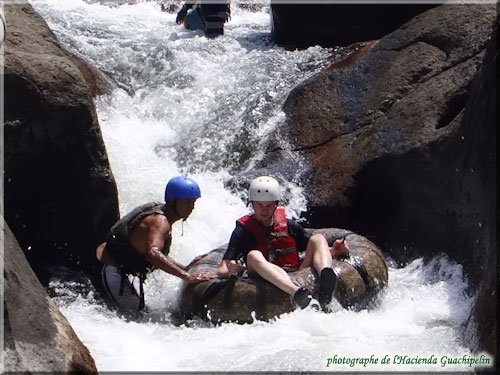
[198,277]
[229,268]
[340,248]
[234,267]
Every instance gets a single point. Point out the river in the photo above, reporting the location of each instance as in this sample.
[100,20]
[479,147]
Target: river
[185,104]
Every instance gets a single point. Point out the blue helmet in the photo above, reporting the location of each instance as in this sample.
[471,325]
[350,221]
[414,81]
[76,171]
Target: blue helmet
[181,187]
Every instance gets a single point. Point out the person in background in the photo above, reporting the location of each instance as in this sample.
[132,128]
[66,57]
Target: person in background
[270,245]
[209,17]
[140,242]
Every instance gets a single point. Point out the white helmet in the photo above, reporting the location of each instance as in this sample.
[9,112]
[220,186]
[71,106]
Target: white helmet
[264,189]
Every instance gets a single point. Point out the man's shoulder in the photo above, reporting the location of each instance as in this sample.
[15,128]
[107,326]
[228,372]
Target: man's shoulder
[295,227]
[242,234]
[156,220]
[149,205]
[240,228]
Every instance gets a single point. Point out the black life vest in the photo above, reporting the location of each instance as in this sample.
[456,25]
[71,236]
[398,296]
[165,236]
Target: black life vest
[275,243]
[117,242]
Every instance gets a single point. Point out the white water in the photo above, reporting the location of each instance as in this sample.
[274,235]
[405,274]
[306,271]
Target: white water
[187,104]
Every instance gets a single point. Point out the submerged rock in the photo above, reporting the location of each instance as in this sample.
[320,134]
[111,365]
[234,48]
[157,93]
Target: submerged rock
[359,279]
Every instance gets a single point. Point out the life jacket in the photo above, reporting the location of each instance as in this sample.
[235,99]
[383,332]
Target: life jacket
[275,243]
[129,260]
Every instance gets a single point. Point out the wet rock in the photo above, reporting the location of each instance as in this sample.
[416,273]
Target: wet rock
[329,25]
[401,145]
[60,194]
[97,82]
[379,135]
[479,215]
[37,337]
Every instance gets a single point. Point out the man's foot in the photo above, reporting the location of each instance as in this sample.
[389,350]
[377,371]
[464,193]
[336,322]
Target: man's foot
[327,282]
[302,297]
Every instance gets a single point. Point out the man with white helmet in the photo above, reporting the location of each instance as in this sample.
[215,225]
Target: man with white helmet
[141,241]
[270,244]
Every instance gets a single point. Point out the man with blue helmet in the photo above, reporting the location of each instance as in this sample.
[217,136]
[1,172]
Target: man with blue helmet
[140,241]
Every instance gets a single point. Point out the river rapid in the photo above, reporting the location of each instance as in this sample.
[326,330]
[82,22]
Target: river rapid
[185,104]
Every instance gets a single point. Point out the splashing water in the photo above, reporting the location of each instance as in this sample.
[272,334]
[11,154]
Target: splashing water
[182,103]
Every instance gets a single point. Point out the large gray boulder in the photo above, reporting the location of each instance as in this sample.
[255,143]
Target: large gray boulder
[401,145]
[60,194]
[37,337]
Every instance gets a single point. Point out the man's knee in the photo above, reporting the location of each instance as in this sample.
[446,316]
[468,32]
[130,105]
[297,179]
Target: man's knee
[255,256]
[318,240]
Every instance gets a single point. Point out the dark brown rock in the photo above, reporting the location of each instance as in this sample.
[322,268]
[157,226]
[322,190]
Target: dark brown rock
[60,194]
[401,146]
[480,196]
[403,100]
[37,337]
[97,82]
[328,25]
